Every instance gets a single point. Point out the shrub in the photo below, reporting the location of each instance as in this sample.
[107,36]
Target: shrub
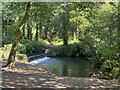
[6,40]
[21,48]
[107,60]
[108,65]
[112,67]
[73,50]
[21,57]
[33,46]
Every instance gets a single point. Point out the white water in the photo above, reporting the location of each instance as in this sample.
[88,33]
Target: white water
[40,60]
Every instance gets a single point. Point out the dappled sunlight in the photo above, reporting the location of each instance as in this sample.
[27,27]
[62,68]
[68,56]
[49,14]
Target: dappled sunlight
[61,42]
[60,45]
[39,77]
[32,77]
[88,82]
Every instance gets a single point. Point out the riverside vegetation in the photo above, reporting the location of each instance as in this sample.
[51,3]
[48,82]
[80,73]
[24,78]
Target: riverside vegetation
[68,29]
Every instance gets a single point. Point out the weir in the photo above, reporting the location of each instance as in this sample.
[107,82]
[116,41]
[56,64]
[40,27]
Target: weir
[39,60]
[64,66]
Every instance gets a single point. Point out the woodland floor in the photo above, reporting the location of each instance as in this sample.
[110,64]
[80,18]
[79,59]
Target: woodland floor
[29,76]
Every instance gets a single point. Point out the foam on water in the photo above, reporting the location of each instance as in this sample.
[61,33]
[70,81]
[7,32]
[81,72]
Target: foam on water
[40,60]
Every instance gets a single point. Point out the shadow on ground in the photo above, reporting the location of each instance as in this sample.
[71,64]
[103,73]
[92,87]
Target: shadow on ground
[30,76]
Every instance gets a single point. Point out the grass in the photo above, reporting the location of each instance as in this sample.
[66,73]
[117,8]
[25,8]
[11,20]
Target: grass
[61,42]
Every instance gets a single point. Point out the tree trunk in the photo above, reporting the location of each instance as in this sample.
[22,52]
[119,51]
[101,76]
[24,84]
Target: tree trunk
[72,35]
[23,33]
[11,58]
[36,35]
[4,28]
[40,32]
[65,25]
[28,32]
[46,32]
[65,38]
[118,28]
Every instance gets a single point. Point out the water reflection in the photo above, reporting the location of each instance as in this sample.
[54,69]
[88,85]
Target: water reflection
[67,66]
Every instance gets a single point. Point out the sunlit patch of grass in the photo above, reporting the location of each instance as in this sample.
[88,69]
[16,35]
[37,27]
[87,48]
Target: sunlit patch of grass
[7,47]
[45,41]
[61,42]
[4,52]
[57,43]
[73,41]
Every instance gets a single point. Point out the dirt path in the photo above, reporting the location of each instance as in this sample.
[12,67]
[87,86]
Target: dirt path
[30,76]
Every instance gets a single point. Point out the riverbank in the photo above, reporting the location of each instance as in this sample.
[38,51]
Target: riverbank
[31,76]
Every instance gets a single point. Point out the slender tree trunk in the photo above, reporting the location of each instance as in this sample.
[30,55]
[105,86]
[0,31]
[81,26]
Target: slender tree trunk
[46,32]
[23,33]
[65,38]
[49,36]
[28,32]
[72,35]
[5,29]
[65,25]
[11,58]
[36,35]
[118,28]
[40,32]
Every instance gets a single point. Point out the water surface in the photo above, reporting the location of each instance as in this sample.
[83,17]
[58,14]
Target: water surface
[65,66]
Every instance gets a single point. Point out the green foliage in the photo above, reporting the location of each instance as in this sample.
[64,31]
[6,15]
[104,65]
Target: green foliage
[108,63]
[72,50]
[33,46]
[116,72]
[107,60]
[21,48]
[112,67]
[107,50]
[22,57]
[93,25]
[6,40]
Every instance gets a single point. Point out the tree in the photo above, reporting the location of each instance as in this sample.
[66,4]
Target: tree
[42,12]
[118,29]
[37,33]
[65,24]
[12,13]
[11,58]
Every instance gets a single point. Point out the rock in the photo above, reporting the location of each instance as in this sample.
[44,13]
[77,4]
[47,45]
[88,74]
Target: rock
[46,51]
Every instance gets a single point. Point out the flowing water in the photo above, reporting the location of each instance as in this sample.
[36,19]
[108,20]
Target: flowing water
[65,66]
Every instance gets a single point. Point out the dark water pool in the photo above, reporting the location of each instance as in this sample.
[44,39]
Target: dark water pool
[65,66]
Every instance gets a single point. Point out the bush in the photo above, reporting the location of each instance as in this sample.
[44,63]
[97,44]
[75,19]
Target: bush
[21,57]
[111,67]
[21,48]
[33,46]
[73,50]
[6,40]
[108,65]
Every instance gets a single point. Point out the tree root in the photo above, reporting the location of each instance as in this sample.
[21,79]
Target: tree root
[9,65]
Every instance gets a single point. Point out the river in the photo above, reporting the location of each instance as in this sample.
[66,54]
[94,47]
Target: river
[65,66]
